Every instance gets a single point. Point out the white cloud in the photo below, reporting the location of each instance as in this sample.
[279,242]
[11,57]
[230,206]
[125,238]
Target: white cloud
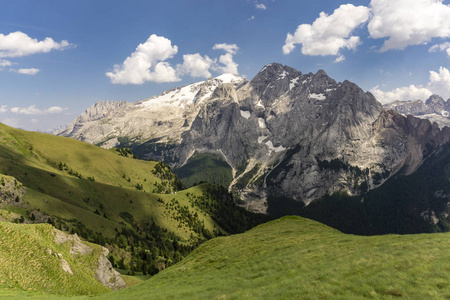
[229,48]
[228,64]
[439,84]
[5,63]
[328,34]
[30,110]
[13,122]
[137,68]
[3,108]
[55,110]
[251,18]
[441,47]
[201,66]
[33,110]
[18,44]
[339,59]
[411,92]
[260,6]
[408,22]
[30,71]
[196,65]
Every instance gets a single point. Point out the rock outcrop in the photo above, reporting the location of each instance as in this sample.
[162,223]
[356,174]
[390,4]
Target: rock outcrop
[104,272]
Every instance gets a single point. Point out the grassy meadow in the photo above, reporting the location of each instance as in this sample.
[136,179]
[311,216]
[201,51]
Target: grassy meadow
[29,261]
[296,258]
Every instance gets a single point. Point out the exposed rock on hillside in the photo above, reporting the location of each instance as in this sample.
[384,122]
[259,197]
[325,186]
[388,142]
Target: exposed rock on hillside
[11,190]
[104,272]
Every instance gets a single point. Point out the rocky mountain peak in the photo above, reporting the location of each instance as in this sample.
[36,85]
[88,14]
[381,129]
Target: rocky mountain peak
[434,99]
[434,109]
[274,80]
[436,103]
[321,81]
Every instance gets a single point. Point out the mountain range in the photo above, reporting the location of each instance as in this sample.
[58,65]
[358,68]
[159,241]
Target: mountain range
[283,134]
[434,109]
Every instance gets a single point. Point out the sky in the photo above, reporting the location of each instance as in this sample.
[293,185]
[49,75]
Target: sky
[57,58]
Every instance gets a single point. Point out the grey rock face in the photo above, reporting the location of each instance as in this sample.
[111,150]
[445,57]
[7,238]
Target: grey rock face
[106,274]
[294,135]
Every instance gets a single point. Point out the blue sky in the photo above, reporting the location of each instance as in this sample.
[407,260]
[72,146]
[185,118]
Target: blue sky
[59,57]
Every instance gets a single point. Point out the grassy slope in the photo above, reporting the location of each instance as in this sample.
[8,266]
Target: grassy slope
[160,228]
[298,258]
[26,263]
[33,159]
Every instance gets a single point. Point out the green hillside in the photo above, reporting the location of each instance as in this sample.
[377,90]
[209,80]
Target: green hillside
[296,258]
[31,260]
[134,208]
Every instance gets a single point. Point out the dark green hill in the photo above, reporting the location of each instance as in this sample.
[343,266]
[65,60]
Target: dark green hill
[205,167]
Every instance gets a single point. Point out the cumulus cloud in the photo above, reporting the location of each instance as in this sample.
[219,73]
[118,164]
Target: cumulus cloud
[17,44]
[196,65]
[201,66]
[147,63]
[13,122]
[55,110]
[411,92]
[229,48]
[339,59]
[260,6]
[328,34]
[5,63]
[33,110]
[439,83]
[228,64]
[3,108]
[30,71]
[441,47]
[408,22]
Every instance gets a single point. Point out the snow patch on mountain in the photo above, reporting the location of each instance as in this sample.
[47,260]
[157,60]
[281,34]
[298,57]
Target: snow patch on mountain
[319,96]
[273,148]
[245,114]
[261,123]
